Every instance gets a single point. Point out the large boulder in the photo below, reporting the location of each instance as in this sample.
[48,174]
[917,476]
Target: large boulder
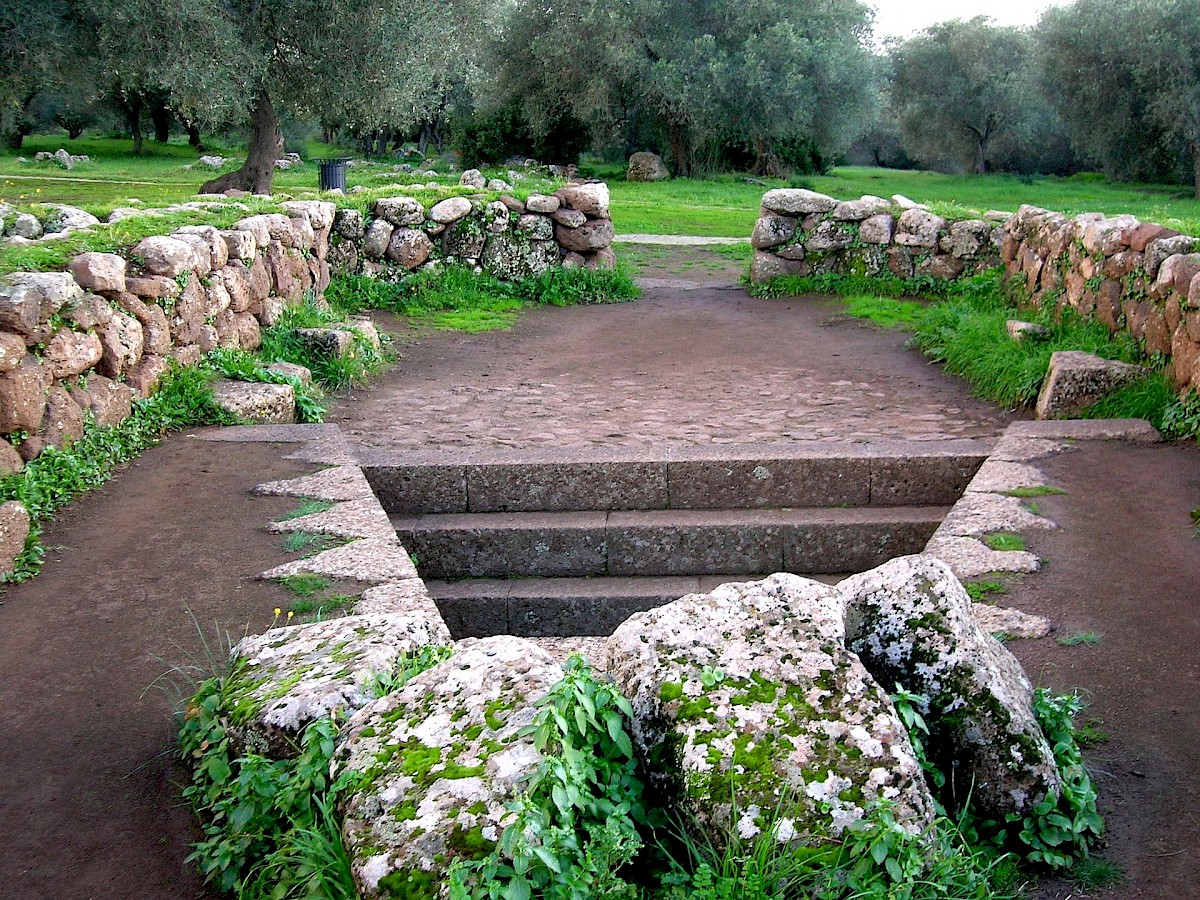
[256,403]
[1076,380]
[911,624]
[512,258]
[14,529]
[28,300]
[288,677]
[750,691]
[797,202]
[438,762]
[646,166]
[68,218]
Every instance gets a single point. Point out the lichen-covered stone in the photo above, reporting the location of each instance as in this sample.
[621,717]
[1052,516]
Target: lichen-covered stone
[771,231]
[400,210]
[1076,380]
[513,257]
[14,529]
[750,691]
[910,622]
[256,404]
[797,202]
[288,677]
[439,761]
[450,210]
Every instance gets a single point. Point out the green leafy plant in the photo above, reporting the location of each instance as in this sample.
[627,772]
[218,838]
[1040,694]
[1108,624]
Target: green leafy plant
[1063,828]
[575,827]
[270,825]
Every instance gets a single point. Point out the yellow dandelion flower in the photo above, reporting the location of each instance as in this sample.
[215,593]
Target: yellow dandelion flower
[278,611]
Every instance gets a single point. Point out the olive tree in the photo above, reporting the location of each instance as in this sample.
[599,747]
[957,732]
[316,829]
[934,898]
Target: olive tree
[961,88]
[761,71]
[1125,77]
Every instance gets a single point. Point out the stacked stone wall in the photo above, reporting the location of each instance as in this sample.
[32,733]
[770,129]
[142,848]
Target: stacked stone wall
[1132,276]
[801,232]
[507,237]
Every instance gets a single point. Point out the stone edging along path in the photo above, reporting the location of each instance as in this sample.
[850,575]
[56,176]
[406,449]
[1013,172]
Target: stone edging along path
[374,557]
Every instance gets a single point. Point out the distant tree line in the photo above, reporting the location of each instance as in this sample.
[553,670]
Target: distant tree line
[764,86]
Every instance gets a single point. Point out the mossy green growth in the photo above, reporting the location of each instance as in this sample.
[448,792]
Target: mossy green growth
[469,843]
[410,884]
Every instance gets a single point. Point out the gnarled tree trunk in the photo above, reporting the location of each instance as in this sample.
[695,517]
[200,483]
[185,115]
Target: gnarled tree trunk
[160,115]
[766,160]
[681,151]
[266,143]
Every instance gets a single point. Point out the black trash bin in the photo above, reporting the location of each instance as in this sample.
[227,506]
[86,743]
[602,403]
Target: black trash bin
[332,173]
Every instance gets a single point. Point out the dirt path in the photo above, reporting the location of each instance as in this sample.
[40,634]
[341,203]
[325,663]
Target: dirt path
[88,803]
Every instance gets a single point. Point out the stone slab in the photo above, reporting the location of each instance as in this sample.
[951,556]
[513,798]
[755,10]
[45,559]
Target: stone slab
[683,542]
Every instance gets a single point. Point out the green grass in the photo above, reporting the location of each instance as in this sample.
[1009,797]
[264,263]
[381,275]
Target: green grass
[981,591]
[1096,874]
[319,607]
[308,507]
[1041,490]
[1004,541]
[1081,638]
[309,543]
[886,312]
[305,585]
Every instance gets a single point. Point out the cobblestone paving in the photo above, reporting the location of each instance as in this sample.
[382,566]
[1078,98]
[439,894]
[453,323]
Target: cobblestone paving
[699,364]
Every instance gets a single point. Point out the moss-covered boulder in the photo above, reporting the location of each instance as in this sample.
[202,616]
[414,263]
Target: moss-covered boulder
[748,694]
[910,622]
[437,762]
[288,677]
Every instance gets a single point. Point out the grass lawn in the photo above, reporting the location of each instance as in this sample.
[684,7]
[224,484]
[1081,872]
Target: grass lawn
[721,206]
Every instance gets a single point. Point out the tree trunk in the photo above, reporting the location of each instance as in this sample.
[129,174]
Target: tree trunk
[266,143]
[133,116]
[766,161]
[681,151]
[1194,146]
[981,165]
[161,116]
[193,133]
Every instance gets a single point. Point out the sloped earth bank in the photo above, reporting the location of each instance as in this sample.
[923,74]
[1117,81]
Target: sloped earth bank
[88,803]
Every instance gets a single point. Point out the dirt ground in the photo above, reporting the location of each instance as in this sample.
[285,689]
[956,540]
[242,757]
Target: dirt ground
[89,800]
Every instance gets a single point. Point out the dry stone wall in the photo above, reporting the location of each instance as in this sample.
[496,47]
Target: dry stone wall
[1132,276]
[801,232]
[507,237]
[104,333]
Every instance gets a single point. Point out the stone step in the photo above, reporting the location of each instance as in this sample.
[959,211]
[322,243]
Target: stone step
[901,473]
[664,542]
[562,607]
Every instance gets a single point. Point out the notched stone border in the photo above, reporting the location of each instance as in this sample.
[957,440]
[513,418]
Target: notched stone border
[986,507]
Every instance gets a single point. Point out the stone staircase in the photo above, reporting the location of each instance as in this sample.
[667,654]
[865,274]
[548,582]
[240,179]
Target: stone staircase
[544,542]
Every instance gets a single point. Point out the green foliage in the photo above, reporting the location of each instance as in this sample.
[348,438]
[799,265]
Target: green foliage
[1181,419]
[305,585]
[281,342]
[1148,398]
[1061,829]
[967,333]
[308,507]
[1081,638]
[1041,490]
[981,591]
[876,858]
[408,666]
[270,826]
[575,827]
[1004,541]
[1096,874]
[309,543]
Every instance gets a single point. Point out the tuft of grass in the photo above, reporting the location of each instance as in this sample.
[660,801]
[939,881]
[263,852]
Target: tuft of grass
[1148,398]
[1097,874]
[1081,638]
[1090,733]
[308,507]
[1040,490]
[319,607]
[1004,541]
[305,585]
[281,342]
[309,543]
[981,591]
[886,312]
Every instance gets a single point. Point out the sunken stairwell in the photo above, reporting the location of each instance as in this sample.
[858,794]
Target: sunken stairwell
[548,543]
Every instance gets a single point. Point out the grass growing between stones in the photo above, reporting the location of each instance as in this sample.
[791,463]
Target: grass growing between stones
[454,298]
[963,326]
[1004,541]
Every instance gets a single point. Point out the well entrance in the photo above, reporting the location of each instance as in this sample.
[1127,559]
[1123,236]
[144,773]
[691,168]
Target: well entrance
[553,543]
